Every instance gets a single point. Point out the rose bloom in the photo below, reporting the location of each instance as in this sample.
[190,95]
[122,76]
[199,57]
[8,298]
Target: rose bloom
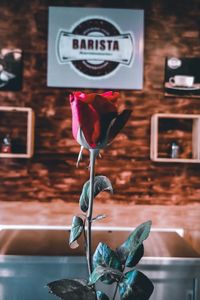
[95,120]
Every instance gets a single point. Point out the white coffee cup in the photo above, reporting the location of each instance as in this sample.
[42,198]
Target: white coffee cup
[182,80]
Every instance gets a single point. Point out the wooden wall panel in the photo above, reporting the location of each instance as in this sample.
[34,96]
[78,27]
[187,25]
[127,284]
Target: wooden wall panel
[171,29]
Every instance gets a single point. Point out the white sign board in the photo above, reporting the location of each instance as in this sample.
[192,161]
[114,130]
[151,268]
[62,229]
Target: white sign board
[95,48]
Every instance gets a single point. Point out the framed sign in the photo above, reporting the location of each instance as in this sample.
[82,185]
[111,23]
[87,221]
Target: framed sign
[95,48]
[10,69]
[182,77]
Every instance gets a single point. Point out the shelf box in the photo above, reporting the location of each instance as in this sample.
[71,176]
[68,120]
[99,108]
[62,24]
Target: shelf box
[19,123]
[182,128]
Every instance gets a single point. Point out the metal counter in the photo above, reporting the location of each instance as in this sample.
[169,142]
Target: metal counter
[29,259]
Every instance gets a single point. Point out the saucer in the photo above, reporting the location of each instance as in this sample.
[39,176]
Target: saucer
[194,87]
[2,83]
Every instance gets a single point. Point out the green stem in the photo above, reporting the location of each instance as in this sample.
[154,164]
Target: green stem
[93,154]
[85,238]
[116,288]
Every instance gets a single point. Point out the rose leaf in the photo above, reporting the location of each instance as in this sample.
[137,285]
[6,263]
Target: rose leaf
[106,257]
[71,289]
[99,217]
[134,256]
[104,273]
[76,230]
[101,183]
[135,285]
[131,251]
[101,296]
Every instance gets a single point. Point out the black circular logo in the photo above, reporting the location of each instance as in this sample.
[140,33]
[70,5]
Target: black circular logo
[95,27]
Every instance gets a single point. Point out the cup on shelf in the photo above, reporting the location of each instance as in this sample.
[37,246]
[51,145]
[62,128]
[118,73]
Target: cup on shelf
[182,81]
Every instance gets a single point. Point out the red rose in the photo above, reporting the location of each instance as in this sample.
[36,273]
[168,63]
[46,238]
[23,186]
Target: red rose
[95,120]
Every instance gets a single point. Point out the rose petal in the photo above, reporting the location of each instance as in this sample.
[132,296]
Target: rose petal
[103,105]
[118,124]
[85,117]
[106,120]
[75,116]
[96,116]
[87,98]
[111,96]
[76,95]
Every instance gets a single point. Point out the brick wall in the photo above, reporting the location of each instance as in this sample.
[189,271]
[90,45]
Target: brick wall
[171,29]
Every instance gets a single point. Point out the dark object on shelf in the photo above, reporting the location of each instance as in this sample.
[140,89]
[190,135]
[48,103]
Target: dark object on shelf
[174,150]
[182,128]
[6,146]
[20,121]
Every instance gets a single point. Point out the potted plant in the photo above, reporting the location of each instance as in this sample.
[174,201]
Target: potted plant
[95,123]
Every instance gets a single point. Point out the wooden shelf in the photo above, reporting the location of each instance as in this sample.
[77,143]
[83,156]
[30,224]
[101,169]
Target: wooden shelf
[19,122]
[182,127]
